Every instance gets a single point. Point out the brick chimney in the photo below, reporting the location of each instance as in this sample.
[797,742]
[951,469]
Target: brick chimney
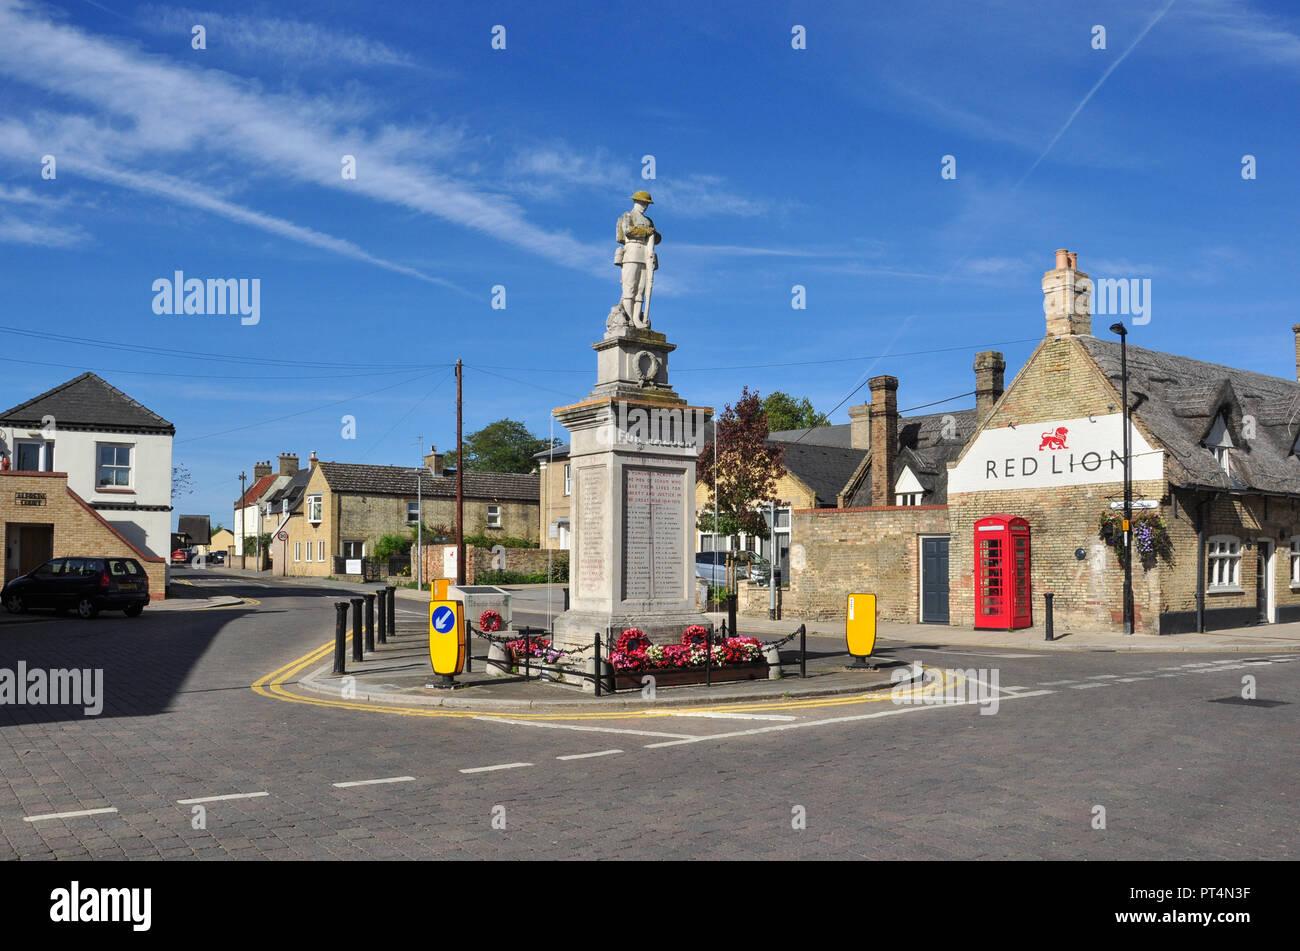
[1067,297]
[1295,329]
[288,463]
[989,368]
[860,426]
[312,460]
[433,460]
[884,438]
[261,469]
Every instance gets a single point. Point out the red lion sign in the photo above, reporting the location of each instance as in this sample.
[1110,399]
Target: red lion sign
[1054,440]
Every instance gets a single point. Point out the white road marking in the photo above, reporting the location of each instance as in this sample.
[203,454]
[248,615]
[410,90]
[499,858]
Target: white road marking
[936,650]
[1131,680]
[238,795]
[1086,686]
[1056,683]
[589,755]
[68,815]
[735,716]
[894,711]
[489,769]
[1103,676]
[584,729]
[374,782]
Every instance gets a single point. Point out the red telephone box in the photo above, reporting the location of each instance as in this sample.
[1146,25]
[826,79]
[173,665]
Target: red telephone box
[1002,573]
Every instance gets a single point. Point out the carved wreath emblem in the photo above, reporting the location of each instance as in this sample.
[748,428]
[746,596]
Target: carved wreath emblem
[646,365]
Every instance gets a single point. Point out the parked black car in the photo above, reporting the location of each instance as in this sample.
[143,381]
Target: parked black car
[86,585]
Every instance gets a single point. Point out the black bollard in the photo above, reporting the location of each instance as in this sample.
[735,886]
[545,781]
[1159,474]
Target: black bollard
[381,598]
[595,647]
[370,623]
[1048,598]
[708,658]
[731,615]
[528,653]
[392,610]
[356,628]
[803,650]
[566,598]
[340,636]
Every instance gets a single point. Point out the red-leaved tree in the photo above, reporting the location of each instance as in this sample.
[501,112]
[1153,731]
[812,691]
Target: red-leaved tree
[745,474]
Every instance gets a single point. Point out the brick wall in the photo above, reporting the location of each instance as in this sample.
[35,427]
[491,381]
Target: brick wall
[872,550]
[478,560]
[78,529]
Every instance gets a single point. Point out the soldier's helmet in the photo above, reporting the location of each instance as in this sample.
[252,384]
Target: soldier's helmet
[642,196]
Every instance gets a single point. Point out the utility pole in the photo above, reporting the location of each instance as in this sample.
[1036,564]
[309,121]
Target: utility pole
[419,516]
[1120,329]
[240,506]
[460,481]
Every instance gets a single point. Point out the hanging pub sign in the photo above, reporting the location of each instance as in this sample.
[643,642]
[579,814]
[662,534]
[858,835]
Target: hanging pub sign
[1060,452]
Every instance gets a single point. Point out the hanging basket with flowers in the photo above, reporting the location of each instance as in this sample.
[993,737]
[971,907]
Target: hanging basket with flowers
[1151,541]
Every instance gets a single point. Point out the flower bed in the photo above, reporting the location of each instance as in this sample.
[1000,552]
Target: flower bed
[736,658]
[536,648]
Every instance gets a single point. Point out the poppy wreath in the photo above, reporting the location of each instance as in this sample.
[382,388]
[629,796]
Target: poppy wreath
[695,634]
[631,641]
[489,621]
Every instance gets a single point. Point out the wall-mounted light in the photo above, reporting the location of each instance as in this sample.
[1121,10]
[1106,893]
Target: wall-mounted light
[1248,544]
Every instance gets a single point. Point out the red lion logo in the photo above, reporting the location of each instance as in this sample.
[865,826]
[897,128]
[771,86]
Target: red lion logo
[1054,440]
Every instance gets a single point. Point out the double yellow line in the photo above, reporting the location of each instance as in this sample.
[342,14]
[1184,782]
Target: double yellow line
[274,684]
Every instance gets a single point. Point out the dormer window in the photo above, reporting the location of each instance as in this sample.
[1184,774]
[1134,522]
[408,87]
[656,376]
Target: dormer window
[1219,441]
[908,489]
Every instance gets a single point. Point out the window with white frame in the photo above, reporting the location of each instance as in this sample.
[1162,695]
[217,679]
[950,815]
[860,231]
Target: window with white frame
[1223,554]
[113,466]
[320,550]
[494,516]
[297,551]
[353,549]
[412,513]
[306,556]
[33,456]
[1219,441]
[1295,560]
[314,509]
[908,498]
[568,479]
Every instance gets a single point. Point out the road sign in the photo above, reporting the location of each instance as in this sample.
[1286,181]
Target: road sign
[283,536]
[447,636]
[860,627]
[438,588]
[1137,504]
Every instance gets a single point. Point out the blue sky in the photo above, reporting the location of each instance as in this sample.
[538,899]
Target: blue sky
[479,167]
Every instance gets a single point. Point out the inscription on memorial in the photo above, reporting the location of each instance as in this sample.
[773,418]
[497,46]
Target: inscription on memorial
[653,547]
[591,531]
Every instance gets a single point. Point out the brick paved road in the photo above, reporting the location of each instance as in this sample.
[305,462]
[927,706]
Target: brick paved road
[1179,776]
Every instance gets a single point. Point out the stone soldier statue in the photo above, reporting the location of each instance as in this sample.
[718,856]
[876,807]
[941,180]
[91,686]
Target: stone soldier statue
[636,235]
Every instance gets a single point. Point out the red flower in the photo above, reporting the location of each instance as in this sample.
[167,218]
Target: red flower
[489,621]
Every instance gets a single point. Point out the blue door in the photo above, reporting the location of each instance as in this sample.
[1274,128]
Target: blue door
[934,580]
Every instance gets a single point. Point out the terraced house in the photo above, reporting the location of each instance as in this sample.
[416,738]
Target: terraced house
[338,511]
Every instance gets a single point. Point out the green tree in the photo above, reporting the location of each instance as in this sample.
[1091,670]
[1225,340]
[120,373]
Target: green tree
[503,446]
[785,412]
[746,471]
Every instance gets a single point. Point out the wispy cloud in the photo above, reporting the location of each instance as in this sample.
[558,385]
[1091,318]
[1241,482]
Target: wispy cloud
[147,108]
[16,231]
[291,41]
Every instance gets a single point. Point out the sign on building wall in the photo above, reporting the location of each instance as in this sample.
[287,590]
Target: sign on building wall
[1058,453]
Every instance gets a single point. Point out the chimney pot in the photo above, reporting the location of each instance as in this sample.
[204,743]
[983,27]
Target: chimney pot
[1067,297]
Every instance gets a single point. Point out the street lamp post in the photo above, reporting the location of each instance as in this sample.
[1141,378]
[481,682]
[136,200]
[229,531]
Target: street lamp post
[1122,331]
